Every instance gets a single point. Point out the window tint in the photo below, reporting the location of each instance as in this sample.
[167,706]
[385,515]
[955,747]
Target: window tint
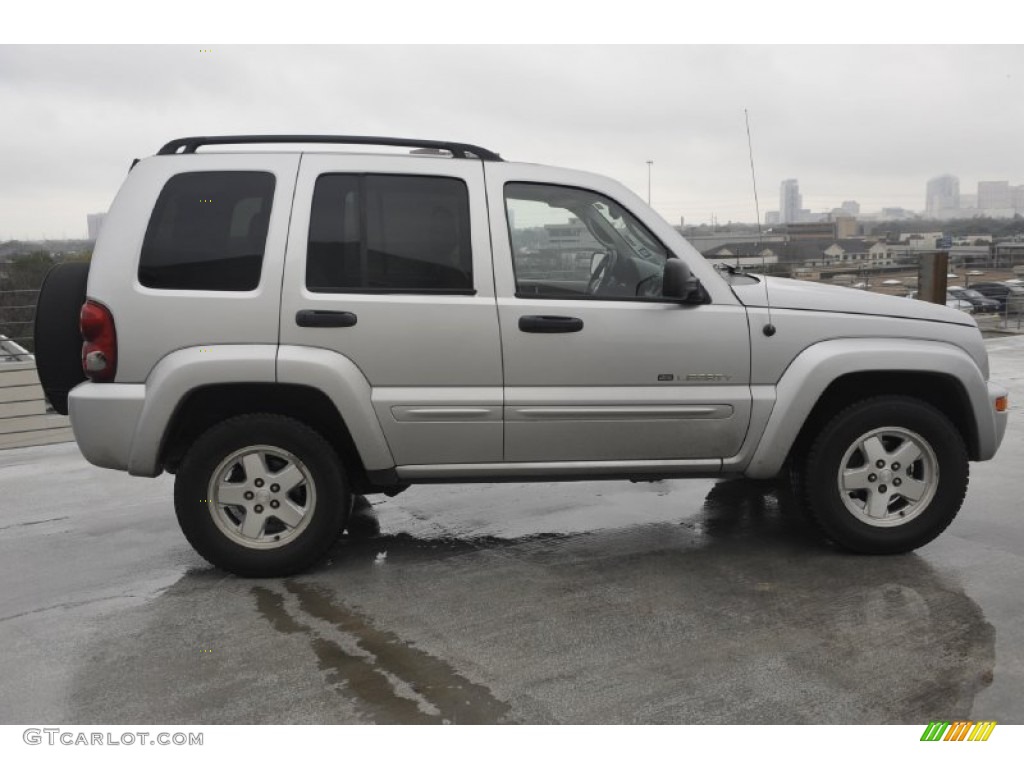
[575,243]
[208,232]
[390,234]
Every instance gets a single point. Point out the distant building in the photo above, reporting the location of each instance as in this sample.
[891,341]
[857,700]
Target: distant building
[844,251]
[743,255]
[897,213]
[571,236]
[810,230]
[968,200]
[806,217]
[921,241]
[1017,198]
[852,207]
[814,253]
[846,227]
[95,224]
[790,201]
[995,199]
[771,218]
[942,197]
[709,243]
[994,195]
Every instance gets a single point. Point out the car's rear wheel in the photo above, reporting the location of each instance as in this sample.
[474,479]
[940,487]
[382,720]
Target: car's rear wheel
[886,475]
[261,495]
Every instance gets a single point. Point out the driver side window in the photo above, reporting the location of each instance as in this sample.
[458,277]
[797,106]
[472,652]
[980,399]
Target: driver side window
[574,243]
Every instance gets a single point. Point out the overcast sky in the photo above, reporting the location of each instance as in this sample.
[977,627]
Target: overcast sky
[867,123]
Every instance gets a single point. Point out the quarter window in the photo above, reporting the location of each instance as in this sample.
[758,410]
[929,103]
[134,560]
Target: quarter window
[389,234]
[208,232]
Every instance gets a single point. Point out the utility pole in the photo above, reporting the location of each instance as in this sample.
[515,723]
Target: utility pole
[649,164]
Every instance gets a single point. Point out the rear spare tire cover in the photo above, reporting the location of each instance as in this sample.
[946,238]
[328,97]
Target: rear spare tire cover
[57,338]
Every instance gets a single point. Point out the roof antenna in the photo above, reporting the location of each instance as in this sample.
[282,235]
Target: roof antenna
[769,328]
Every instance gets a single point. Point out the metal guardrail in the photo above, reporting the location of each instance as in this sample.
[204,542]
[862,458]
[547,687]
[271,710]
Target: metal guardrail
[26,418]
[17,316]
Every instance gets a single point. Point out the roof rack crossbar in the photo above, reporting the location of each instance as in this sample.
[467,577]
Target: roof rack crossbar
[189,144]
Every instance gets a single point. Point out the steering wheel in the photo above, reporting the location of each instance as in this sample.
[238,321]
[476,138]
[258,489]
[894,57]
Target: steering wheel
[602,276]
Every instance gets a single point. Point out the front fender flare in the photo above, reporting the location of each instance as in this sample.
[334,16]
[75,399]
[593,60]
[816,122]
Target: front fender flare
[818,366]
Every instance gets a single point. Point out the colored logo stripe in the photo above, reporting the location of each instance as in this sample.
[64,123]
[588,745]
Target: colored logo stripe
[959,730]
[982,730]
[934,731]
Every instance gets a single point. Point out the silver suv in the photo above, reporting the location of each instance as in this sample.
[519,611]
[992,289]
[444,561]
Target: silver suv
[285,330]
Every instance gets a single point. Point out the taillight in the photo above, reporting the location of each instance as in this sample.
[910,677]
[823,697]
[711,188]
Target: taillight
[99,350]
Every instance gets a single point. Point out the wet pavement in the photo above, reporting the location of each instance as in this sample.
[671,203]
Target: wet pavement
[599,602]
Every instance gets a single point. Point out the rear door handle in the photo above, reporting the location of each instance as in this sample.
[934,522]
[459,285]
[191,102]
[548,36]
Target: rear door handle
[322,318]
[549,324]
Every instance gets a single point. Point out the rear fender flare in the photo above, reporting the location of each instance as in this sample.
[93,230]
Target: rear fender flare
[186,370]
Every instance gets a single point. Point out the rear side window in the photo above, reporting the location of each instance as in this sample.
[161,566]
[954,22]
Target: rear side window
[208,232]
[389,234]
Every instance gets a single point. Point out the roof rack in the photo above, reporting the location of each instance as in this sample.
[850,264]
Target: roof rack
[463,151]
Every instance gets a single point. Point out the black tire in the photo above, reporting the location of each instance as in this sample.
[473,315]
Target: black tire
[58,342]
[899,524]
[217,530]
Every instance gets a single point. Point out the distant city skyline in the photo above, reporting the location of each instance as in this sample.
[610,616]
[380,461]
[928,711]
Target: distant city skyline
[942,200]
[848,131]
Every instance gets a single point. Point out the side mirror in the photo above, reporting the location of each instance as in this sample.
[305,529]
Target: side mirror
[678,282]
[595,260]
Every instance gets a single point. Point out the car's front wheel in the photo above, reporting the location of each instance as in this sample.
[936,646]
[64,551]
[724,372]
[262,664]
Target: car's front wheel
[886,475]
[261,495]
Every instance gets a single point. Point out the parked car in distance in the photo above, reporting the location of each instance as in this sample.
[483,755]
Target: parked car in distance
[952,301]
[979,303]
[1009,297]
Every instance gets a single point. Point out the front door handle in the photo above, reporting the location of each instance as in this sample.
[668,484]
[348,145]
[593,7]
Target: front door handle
[549,324]
[322,318]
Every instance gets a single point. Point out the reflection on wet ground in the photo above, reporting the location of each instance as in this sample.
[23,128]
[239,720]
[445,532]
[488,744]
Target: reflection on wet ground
[721,611]
[434,693]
